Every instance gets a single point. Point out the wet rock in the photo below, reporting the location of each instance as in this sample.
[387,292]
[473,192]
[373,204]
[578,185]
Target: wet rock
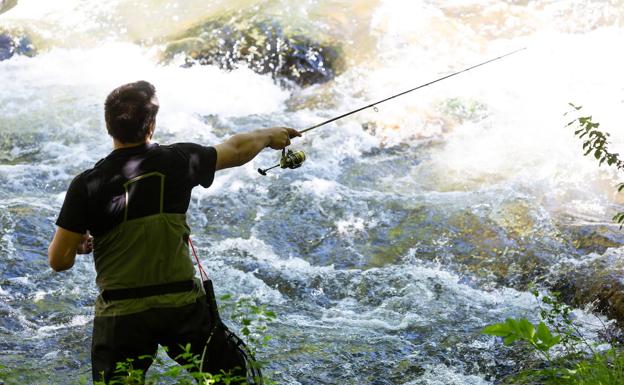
[594,238]
[263,46]
[15,43]
[504,244]
[599,280]
[5,5]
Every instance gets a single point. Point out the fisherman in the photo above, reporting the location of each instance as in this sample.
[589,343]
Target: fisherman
[129,210]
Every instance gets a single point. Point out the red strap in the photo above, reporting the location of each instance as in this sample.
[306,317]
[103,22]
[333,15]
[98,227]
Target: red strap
[202,272]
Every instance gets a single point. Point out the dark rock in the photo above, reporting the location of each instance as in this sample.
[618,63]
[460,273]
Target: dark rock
[599,281]
[15,43]
[263,46]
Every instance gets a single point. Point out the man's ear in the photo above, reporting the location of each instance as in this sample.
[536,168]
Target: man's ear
[150,133]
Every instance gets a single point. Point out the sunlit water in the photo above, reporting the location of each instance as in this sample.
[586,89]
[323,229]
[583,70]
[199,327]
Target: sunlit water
[407,230]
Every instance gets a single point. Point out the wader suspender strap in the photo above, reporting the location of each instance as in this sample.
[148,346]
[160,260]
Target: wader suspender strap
[138,178]
[250,359]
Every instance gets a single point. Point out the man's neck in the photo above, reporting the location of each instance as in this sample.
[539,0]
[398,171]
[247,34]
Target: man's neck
[117,144]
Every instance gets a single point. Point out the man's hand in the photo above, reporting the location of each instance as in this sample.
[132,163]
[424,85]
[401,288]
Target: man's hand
[86,244]
[65,245]
[280,137]
[241,148]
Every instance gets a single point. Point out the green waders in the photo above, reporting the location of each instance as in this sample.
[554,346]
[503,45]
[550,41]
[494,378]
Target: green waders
[149,296]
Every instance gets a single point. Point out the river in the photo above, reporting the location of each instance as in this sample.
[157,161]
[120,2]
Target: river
[409,227]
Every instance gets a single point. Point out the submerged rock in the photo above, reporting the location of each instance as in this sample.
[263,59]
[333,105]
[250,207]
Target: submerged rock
[15,43]
[263,46]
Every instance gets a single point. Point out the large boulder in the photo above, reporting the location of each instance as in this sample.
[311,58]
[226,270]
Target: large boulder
[262,45]
[15,43]
[5,5]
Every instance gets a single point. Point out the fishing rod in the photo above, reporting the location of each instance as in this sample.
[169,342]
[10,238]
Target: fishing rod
[292,160]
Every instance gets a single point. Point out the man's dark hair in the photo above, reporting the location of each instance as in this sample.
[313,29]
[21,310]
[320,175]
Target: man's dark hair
[130,112]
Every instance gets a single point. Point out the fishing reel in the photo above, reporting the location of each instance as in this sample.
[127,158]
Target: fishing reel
[289,159]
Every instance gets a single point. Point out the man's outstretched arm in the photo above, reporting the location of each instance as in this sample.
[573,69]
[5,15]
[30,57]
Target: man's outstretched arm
[241,148]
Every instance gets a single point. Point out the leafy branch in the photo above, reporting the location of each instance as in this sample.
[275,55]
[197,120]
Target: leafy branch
[596,142]
[512,330]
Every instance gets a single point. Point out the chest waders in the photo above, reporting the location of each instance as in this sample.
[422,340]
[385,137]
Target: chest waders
[144,263]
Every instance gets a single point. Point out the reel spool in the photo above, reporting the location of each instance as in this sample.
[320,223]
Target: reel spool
[292,159]
[289,159]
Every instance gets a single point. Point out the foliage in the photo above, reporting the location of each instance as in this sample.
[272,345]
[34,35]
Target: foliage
[254,319]
[513,330]
[596,142]
[576,362]
[188,374]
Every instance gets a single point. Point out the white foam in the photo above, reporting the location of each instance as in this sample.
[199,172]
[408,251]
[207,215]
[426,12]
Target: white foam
[76,321]
[352,225]
[443,375]
[263,252]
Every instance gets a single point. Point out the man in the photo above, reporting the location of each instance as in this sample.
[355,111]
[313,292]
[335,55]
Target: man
[129,209]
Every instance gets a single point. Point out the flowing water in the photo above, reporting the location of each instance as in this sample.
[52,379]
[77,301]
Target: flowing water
[407,230]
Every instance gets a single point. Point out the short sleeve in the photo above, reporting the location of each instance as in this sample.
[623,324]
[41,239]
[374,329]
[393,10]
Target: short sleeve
[73,215]
[202,161]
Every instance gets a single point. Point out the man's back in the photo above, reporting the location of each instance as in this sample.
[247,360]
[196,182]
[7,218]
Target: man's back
[130,182]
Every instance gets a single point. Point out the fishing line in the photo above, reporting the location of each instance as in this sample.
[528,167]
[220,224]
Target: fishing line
[293,160]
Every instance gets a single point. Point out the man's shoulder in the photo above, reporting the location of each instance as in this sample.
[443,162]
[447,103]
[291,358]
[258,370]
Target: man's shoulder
[188,148]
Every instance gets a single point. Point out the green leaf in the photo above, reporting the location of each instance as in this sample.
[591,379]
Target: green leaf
[510,339]
[543,333]
[526,329]
[498,330]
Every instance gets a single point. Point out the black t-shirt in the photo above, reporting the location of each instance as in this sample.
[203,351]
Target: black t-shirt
[152,178]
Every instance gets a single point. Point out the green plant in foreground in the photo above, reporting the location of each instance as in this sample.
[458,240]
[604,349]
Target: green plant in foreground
[512,330]
[577,361]
[190,373]
[254,319]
